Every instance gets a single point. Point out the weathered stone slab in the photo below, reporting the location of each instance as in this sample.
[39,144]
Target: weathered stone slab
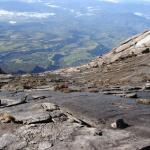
[11,99]
[98,109]
[94,109]
[31,113]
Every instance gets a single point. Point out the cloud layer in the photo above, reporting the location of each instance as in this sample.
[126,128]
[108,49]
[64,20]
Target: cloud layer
[5,13]
[112,1]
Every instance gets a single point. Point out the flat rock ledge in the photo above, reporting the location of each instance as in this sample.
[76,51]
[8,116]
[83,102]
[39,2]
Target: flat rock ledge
[45,120]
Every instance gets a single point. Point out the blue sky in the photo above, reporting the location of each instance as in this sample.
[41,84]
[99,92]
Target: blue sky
[132,1]
[114,1]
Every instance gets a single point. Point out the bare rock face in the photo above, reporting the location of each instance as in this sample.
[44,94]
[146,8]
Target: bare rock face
[137,45]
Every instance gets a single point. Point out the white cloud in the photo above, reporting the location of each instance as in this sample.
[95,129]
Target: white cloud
[5,13]
[79,14]
[12,22]
[72,10]
[111,1]
[146,16]
[138,14]
[30,1]
[52,6]
[92,9]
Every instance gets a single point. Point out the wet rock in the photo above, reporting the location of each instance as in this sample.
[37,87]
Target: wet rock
[49,106]
[120,124]
[144,101]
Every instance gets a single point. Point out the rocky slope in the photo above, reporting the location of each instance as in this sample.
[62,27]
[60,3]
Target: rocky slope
[127,64]
[97,106]
[135,46]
